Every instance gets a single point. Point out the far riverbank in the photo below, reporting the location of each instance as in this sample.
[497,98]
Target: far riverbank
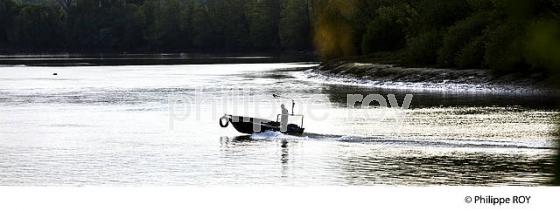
[387,73]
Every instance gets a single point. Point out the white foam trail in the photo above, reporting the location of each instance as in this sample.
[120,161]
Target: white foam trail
[453,143]
[273,135]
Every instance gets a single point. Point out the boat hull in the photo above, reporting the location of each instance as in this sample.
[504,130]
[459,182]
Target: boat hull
[249,125]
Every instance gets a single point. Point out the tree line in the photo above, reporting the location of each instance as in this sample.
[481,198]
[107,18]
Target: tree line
[504,35]
[155,25]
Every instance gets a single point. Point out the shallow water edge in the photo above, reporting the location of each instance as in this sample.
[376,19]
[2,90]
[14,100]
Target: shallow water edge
[465,80]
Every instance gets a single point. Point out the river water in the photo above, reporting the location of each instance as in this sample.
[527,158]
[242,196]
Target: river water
[158,125]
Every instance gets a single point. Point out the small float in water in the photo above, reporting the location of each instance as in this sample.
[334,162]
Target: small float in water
[250,125]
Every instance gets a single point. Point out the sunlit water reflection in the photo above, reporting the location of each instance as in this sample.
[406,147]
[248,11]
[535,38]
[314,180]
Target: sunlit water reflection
[112,125]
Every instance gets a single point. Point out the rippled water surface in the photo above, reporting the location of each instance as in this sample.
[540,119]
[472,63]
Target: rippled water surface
[158,125]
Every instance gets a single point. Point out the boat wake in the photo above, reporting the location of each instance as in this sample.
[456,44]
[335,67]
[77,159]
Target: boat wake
[384,141]
[275,135]
[450,143]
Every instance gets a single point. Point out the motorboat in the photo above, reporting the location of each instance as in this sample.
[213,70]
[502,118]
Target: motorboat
[250,125]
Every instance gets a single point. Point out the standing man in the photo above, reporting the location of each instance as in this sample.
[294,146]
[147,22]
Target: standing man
[284,119]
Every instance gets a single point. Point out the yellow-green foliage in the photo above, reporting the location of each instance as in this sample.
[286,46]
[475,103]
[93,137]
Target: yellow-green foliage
[504,35]
[543,45]
[333,32]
